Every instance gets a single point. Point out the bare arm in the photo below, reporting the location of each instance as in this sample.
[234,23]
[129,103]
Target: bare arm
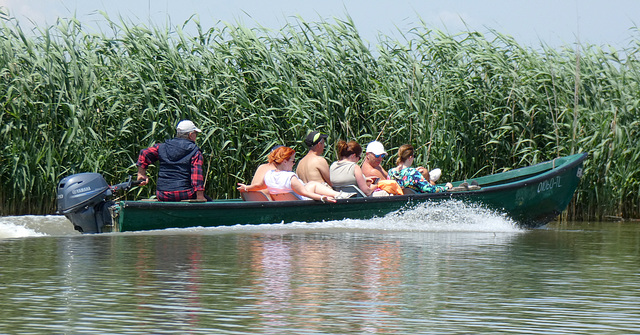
[260,185]
[259,175]
[323,168]
[362,183]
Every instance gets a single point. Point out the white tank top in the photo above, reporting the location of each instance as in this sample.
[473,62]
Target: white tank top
[280,182]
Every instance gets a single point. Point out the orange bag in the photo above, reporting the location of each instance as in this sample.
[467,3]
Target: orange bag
[390,186]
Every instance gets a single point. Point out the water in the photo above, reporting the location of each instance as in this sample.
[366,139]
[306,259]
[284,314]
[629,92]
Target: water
[435,270]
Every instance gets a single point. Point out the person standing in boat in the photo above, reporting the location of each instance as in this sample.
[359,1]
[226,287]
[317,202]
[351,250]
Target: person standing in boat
[371,166]
[410,177]
[283,180]
[346,170]
[180,175]
[313,166]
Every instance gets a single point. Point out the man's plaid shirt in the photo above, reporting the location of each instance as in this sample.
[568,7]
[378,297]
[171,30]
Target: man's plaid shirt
[150,155]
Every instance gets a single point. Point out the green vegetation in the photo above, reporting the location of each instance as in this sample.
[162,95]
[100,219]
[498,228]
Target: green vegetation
[73,101]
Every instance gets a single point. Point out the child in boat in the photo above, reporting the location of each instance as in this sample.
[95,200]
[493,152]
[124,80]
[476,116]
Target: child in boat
[283,180]
[410,177]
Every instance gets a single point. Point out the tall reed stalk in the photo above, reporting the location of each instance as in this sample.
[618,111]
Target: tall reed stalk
[73,101]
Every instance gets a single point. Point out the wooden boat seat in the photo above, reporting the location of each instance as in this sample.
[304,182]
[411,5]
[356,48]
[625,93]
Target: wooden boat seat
[254,196]
[289,196]
[351,189]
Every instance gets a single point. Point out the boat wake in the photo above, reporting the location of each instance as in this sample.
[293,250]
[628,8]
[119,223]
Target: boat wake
[34,225]
[446,216]
[453,215]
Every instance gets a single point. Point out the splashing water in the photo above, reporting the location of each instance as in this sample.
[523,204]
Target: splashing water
[34,225]
[11,230]
[446,216]
[453,215]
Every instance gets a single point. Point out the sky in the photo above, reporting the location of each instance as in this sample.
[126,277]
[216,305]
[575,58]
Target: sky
[554,23]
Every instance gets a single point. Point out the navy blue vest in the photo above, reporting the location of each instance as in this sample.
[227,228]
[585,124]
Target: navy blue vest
[175,156]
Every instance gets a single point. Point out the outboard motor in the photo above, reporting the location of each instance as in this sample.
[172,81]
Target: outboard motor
[85,199]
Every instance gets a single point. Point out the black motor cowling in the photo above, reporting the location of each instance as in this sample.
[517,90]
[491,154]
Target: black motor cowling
[85,199]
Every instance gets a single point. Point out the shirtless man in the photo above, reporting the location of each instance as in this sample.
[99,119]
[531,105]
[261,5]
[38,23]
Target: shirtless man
[313,167]
[371,165]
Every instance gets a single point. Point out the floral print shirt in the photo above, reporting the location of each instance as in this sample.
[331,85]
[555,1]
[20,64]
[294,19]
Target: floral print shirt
[411,178]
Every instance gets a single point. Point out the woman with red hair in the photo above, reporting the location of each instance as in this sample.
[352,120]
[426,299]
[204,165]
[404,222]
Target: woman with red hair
[283,180]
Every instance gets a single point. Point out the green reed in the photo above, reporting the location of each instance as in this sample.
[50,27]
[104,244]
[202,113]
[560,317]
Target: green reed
[75,101]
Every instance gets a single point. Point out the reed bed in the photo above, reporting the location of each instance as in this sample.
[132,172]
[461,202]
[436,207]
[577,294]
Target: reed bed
[74,101]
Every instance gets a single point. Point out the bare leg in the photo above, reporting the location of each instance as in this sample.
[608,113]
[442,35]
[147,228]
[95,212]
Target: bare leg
[315,187]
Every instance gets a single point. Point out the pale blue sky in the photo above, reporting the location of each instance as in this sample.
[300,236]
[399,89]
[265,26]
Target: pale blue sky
[554,22]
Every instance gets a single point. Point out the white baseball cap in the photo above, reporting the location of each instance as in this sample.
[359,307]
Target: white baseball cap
[376,148]
[186,126]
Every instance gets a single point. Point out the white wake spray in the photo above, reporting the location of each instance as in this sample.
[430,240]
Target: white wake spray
[34,225]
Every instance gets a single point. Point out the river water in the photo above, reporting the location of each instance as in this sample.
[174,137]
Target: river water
[435,270]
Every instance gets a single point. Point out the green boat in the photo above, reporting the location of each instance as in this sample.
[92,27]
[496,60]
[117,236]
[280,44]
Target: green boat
[532,196]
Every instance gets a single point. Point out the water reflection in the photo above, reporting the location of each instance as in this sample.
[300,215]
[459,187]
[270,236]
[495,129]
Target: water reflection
[306,275]
[563,279]
[168,279]
[271,268]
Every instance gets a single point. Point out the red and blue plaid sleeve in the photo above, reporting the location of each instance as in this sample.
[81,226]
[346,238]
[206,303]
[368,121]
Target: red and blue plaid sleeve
[197,176]
[148,156]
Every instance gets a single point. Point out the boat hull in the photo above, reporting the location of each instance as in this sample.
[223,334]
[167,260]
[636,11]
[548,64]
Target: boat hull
[531,196]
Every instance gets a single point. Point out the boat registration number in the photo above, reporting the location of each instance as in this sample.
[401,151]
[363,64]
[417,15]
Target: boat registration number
[549,184]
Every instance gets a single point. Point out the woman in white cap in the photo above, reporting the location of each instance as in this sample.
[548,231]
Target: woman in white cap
[180,175]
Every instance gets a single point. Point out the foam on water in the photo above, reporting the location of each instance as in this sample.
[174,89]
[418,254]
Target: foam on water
[446,216]
[453,215]
[34,225]
[10,230]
